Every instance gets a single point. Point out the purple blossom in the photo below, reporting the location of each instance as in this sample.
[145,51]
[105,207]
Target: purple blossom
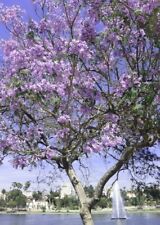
[127,81]
[8,14]
[64,119]
[157,98]
[112,117]
[79,48]
[96,146]
[88,32]
[49,153]
[63,133]
[20,162]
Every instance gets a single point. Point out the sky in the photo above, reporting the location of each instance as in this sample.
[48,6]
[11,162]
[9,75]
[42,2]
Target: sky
[96,167]
[25,4]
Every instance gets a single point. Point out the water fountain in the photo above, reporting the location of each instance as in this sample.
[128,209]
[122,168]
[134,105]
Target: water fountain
[118,210]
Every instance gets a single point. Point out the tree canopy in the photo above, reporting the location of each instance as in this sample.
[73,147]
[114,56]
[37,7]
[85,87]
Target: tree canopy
[80,79]
[16,199]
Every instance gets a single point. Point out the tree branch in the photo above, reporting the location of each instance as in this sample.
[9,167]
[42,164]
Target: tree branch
[112,171]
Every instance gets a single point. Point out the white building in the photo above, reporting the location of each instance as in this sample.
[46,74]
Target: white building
[37,205]
[33,205]
[28,194]
[131,194]
[2,196]
[66,190]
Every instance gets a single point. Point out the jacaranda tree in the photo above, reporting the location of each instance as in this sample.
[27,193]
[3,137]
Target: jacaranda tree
[82,78]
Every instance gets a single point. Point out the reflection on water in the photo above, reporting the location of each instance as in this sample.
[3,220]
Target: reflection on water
[121,222]
[133,219]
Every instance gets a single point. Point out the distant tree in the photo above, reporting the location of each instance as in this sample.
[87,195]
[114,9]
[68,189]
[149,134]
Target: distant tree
[16,199]
[139,193]
[2,203]
[2,199]
[89,191]
[27,185]
[3,191]
[104,202]
[17,185]
[53,195]
[37,195]
[134,201]
[12,204]
[152,193]
[43,208]
[70,202]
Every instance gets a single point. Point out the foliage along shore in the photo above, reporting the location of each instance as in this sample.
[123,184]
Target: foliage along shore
[98,211]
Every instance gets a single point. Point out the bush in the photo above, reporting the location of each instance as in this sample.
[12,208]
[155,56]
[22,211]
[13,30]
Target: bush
[2,209]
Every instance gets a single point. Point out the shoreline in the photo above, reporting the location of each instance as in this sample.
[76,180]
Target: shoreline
[68,212]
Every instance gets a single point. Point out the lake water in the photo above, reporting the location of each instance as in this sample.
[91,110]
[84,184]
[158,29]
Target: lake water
[133,219]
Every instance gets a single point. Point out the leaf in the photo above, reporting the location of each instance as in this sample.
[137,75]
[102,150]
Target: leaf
[138,108]
[133,93]
[30,35]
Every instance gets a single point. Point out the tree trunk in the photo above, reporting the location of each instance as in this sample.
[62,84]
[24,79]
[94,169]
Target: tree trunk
[85,209]
[86,216]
